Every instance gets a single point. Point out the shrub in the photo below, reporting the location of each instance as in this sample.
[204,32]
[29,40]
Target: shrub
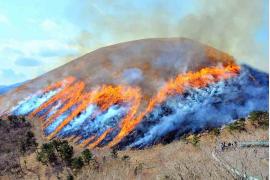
[65,151]
[215,131]
[51,153]
[30,140]
[30,134]
[193,139]
[125,158]
[259,119]
[70,177]
[114,153]
[238,125]
[47,154]
[87,156]
[77,163]
[56,143]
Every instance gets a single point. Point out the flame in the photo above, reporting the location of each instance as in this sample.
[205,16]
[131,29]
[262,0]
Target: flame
[175,86]
[86,141]
[94,144]
[67,81]
[73,95]
[62,84]
[104,97]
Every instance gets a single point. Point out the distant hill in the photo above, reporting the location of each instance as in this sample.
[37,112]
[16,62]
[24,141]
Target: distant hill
[5,89]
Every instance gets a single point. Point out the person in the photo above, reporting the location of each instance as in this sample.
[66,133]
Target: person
[222,146]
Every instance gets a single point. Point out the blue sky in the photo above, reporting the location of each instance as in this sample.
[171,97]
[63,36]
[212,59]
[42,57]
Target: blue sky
[37,36]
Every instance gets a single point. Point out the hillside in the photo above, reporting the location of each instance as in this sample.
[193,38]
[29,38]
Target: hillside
[202,157]
[145,109]
[157,59]
[138,94]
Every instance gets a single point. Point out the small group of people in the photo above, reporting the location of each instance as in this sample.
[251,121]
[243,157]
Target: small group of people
[224,145]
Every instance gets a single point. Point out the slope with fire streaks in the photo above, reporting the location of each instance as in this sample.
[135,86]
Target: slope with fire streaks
[178,85]
[139,93]
[99,119]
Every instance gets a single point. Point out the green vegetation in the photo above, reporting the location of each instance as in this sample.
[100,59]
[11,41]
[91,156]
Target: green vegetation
[47,154]
[238,125]
[77,163]
[215,131]
[114,153]
[259,119]
[193,139]
[59,153]
[64,149]
[87,156]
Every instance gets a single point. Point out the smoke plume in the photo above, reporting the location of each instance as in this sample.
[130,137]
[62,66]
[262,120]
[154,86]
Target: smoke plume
[229,25]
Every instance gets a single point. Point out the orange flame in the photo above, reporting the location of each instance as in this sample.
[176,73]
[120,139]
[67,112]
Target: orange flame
[178,85]
[94,144]
[107,95]
[72,96]
[65,83]
[88,140]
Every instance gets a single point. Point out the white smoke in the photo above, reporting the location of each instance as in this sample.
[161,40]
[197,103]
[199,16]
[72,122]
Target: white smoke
[132,76]
[213,106]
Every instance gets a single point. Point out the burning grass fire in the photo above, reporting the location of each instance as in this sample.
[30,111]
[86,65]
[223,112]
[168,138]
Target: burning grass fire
[112,115]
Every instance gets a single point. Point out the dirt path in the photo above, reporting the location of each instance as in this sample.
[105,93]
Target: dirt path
[232,170]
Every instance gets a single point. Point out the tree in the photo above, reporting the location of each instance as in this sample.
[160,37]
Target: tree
[65,151]
[56,143]
[77,163]
[58,153]
[87,156]
[47,154]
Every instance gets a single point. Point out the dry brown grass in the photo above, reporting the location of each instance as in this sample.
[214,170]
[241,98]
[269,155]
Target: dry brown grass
[177,160]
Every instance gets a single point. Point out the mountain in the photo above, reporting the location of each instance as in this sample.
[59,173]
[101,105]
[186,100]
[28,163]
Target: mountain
[140,93]
[146,63]
[5,89]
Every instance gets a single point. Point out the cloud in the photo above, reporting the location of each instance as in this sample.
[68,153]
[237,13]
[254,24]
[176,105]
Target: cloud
[28,62]
[57,52]
[49,25]
[10,76]
[11,51]
[38,48]
[4,19]
[38,56]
